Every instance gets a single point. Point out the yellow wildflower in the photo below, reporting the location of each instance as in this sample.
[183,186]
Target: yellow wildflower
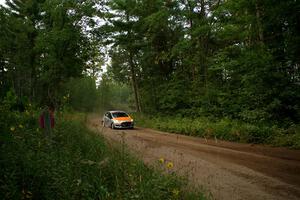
[12,128]
[161,160]
[170,165]
[26,194]
[175,192]
[21,126]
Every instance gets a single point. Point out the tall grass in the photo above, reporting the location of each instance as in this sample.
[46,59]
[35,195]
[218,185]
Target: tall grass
[224,129]
[75,164]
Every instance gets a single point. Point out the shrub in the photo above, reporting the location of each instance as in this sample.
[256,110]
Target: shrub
[224,129]
[74,164]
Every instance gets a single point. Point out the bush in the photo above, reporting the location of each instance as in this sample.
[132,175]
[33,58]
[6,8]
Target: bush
[224,129]
[74,164]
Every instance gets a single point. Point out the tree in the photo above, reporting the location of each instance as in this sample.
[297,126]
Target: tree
[217,58]
[45,43]
[123,34]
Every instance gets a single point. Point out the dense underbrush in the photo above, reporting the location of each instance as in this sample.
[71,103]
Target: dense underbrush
[74,164]
[224,129]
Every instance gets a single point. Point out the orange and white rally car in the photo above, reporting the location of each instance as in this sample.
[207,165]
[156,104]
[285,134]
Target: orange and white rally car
[117,119]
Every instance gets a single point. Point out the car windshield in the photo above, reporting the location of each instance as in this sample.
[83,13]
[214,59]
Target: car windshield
[119,114]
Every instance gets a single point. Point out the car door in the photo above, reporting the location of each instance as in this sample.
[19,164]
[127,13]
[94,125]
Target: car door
[105,119]
[109,119]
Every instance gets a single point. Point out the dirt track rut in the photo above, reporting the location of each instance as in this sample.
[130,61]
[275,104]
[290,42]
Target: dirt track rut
[227,170]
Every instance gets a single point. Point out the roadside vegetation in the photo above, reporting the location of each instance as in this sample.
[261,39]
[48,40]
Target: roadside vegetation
[74,163]
[215,69]
[224,69]
[229,69]
[224,129]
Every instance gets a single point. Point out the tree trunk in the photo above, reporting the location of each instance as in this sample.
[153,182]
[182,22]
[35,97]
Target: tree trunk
[33,77]
[133,74]
[134,83]
[259,24]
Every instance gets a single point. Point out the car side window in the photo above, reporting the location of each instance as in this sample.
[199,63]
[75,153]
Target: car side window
[109,116]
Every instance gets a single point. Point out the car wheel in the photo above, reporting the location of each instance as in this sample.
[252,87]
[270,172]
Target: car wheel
[112,126]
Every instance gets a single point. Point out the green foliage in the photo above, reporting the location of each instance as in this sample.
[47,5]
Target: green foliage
[113,95]
[82,94]
[234,59]
[224,129]
[219,59]
[44,44]
[74,164]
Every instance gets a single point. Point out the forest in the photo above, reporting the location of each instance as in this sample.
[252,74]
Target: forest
[217,59]
[217,69]
[236,59]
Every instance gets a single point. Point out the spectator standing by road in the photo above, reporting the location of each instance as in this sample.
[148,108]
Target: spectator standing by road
[46,120]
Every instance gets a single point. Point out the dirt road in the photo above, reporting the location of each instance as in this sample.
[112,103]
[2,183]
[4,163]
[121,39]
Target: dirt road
[226,170]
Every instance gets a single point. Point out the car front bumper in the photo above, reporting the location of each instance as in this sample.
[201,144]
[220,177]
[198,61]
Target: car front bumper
[124,125]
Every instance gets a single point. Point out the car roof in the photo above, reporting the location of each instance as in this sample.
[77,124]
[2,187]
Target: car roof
[115,111]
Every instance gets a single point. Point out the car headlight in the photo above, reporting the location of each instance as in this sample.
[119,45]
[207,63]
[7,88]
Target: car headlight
[117,121]
[131,120]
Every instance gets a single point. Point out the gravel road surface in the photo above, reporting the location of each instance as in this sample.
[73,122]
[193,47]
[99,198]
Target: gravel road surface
[226,170]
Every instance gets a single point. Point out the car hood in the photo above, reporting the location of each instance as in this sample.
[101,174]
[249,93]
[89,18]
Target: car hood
[123,118]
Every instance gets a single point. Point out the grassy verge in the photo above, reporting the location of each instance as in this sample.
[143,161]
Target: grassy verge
[74,164]
[225,129]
